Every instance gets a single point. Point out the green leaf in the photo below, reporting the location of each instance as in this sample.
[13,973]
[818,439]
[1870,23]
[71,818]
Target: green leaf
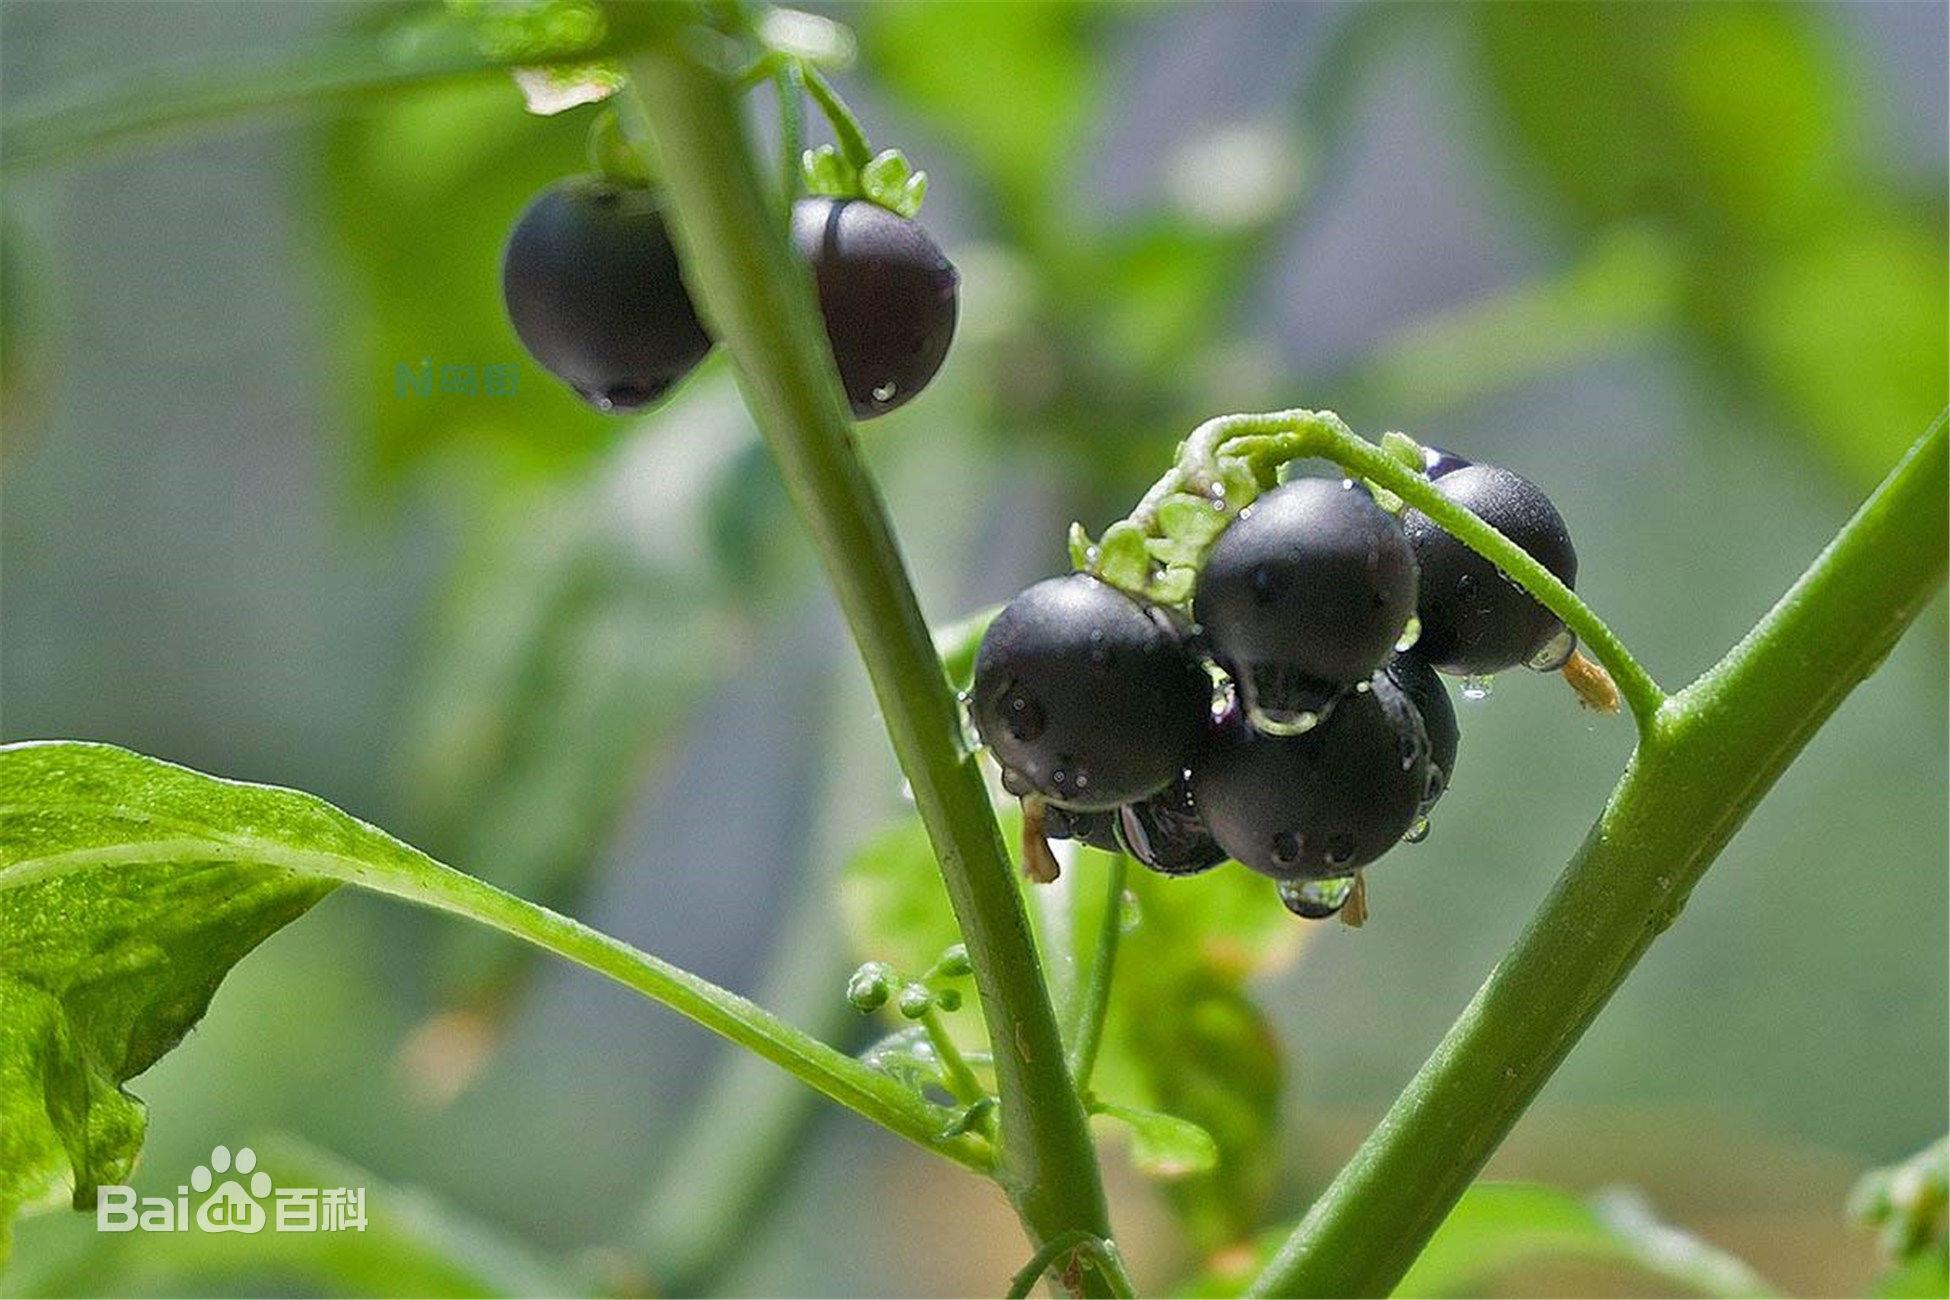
[1163,1146]
[129,887]
[413,1244]
[1497,1226]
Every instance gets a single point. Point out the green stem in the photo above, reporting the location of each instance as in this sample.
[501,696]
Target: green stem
[1096,996]
[1078,1242]
[791,85]
[967,1089]
[757,296]
[846,127]
[1714,750]
[94,114]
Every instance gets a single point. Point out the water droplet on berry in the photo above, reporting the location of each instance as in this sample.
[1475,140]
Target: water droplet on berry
[1316,900]
[1287,847]
[1129,913]
[885,392]
[1411,633]
[1022,717]
[1475,687]
[1556,652]
[1418,832]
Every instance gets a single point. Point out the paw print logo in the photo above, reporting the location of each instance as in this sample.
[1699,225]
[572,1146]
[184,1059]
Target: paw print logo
[231,1208]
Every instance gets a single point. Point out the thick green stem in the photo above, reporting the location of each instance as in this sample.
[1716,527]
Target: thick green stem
[757,296]
[1711,754]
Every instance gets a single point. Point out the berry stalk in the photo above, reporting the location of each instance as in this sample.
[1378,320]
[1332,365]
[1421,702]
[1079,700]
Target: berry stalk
[1229,460]
[758,297]
[1712,753]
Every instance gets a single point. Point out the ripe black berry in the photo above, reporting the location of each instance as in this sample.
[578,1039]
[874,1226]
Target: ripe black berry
[1305,595]
[1423,686]
[592,287]
[887,294]
[1092,699]
[1437,461]
[1097,829]
[1166,834]
[1474,619]
[1322,803]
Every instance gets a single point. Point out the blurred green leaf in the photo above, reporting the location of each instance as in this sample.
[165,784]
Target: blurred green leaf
[582,631]
[1909,1203]
[413,1244]
[1927,1277]
[1184,1036]
[418,198]
[1010,88]
[1729,129]
[1163,1146]
[1497,1226]
[893,902]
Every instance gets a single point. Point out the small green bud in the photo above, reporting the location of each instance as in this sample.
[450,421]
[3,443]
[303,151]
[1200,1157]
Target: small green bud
[868,989]
[953,962]
[948,999]
[915,999]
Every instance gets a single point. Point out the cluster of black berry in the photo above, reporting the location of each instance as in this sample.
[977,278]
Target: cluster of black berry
[1296,722]
[593,286]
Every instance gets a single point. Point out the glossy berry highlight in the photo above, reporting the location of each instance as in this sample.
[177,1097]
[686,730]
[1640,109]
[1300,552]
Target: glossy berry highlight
[887,294]
[1422,684]
[1088,697]
[1305,595]
[592,287]
[1475,620]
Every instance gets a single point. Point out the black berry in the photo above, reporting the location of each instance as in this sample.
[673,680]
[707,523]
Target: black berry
[1437,461]
[887,294]
[1423,686]
[1091,698]
[1323,803]
[1474,619]
[592,287]
[1166,834]
[1306,595]
[1097,829]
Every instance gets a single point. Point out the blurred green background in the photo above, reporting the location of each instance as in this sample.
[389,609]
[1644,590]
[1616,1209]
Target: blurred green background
[1683,265]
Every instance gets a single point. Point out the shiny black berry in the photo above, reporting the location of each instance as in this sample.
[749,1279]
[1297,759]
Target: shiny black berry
[1423,686]
[1437,461]
[1090,698]
[887,293]
[1322,803]
[1166,834]
[1305,595]
[1475,620]
[1097,829]
[592,287]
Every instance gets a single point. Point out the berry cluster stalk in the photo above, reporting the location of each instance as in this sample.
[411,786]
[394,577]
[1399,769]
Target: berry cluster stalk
[758,299]
[1710,754]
